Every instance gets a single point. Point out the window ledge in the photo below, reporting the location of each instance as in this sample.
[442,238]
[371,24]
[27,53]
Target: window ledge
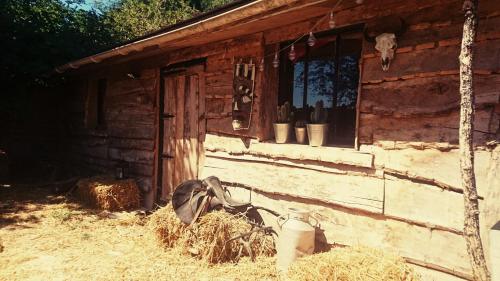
[336,155]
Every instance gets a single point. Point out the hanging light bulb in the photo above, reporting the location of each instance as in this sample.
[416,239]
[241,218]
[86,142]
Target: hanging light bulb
[276,61]
[292,55]
[332,22]
[311,40]
[261,66]
[359,2]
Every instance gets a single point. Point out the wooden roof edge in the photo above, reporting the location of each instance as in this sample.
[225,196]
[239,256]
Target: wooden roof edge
[201,23]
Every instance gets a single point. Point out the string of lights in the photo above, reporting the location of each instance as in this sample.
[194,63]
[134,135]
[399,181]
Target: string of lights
[311,40]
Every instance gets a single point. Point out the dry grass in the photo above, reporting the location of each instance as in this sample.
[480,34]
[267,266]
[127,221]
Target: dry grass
[106,193]
[352,264]
[167,227]
[52,239]
[49,238]
[206,239]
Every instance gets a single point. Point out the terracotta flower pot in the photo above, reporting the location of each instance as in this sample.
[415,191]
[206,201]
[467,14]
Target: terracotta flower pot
[282,132]
[317,133]
[300,134]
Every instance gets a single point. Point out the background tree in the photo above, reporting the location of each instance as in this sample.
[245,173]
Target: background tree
[129,19]
[471,222]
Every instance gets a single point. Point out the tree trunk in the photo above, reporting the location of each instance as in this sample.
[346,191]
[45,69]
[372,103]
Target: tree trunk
[471,223]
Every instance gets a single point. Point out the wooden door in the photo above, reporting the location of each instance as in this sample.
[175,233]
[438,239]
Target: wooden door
[181,122]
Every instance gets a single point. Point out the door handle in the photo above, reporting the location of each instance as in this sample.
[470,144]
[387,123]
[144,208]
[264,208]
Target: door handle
[166,156]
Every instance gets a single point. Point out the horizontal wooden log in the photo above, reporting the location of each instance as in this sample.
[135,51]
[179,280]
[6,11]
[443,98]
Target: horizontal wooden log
[425,96]
[440,128]
[129,86]
[354,191]
[425,61]
[303,163]
[137,100]
[219,106]
[131,143]
[347,227]
[140,169]
[430,165]
[139,156]
[99,151]
[129,114]
[424,203]
[222,79]
[234,145]
[219,91]
[142,132]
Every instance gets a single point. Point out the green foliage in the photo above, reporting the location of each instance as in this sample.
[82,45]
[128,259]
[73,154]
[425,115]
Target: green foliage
[38,35]
[129,19]
[205,5]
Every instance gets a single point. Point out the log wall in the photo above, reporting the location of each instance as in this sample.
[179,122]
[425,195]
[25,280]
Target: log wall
[398,190]
[129,130]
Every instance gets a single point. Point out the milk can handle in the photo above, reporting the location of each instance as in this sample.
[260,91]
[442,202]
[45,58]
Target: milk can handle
[283,218]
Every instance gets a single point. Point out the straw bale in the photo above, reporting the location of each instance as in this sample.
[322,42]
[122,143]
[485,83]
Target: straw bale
[167,227]
[207,238]
[105,192]
[356,263]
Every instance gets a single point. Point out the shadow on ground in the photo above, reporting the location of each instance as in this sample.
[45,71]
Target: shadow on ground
[21,206]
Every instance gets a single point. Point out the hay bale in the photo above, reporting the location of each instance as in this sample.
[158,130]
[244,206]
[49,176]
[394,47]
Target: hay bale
[168,228]
[356,263]
[107,193]
[206,239]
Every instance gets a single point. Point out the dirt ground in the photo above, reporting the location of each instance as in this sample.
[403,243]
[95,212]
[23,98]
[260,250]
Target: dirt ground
[49,237]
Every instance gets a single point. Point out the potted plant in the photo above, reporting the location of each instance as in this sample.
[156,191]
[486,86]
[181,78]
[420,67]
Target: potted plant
[300,131]
[317,130]
[282,126]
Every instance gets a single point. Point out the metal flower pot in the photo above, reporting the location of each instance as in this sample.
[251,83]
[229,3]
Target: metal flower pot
[300,134]
[282,132]
[317,133]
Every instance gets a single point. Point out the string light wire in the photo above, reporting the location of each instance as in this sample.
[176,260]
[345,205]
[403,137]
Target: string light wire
[305,34]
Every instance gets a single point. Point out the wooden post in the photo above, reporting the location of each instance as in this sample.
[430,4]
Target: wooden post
[471,223]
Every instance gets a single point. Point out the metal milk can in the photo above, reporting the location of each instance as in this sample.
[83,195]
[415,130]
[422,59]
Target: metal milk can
[296,238]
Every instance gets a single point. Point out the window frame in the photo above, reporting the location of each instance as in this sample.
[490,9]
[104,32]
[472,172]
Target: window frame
[285,87]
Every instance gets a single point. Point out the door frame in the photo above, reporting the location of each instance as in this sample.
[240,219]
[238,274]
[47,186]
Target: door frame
[196,66]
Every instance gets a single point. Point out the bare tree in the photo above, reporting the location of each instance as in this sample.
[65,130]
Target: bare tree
[471,223]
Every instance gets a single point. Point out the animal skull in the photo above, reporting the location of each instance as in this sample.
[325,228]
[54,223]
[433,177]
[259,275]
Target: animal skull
[386,45]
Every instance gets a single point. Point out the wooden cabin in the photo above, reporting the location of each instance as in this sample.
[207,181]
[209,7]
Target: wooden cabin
[388,177]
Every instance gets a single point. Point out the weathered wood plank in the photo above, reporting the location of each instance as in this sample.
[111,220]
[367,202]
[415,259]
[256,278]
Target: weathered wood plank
[425,96]
[425,62]
[131,143]
[359,192]
[289,151]
[423,203]
[129,155]
[349,227]
[430,165]
[425,129]
[191,128]
[179,132]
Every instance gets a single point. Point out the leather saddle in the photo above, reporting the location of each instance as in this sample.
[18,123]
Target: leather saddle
[193,198]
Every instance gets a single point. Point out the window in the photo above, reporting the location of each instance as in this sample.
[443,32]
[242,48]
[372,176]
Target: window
[95,117]
[327,71]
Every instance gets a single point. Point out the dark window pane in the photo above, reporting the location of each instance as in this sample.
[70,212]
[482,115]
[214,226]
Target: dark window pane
[320,82]
[348,84]
[298,84]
